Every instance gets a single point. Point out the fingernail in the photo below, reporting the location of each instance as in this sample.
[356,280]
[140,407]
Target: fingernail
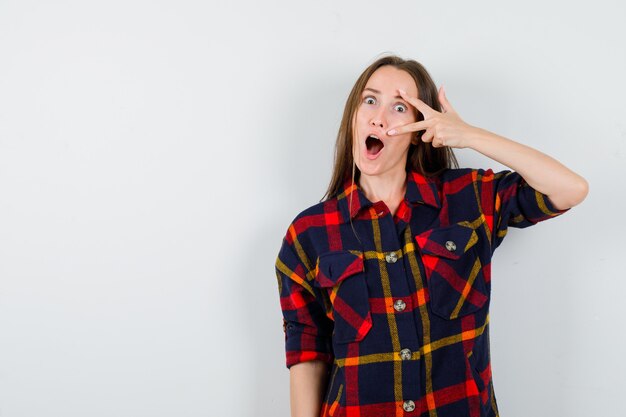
[392,131]
[401,91]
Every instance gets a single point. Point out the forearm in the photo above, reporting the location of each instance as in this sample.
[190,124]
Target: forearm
[564,187]
[307,383]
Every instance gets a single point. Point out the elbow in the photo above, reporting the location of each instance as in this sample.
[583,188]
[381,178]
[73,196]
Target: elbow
[576,193]
[579,191]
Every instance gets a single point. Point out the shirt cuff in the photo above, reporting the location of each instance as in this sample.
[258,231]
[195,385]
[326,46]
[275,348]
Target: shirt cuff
[303,344]
[546,206]
[306,355]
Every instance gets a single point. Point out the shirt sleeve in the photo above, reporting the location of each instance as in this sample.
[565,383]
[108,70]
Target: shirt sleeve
[308,330]
[508,201]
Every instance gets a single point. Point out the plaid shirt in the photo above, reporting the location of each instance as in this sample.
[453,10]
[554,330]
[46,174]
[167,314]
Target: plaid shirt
[403,314]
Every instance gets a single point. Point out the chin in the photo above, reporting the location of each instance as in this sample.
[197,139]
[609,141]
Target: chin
[369,170]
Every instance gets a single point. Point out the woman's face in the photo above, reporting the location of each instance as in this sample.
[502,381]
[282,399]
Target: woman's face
[382,109]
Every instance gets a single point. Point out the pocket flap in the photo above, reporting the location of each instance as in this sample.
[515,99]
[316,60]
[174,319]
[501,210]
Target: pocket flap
[333,267]
[448,242]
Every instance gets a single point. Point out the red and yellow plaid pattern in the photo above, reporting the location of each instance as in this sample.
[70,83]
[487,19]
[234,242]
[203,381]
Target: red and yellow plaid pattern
[402,312]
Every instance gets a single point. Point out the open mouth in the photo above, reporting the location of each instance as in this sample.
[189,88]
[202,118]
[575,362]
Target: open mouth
[374,145]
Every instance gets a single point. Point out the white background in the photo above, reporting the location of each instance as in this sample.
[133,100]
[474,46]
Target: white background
[153,153]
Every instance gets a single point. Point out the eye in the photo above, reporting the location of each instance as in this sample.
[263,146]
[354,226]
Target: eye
[369,100]
[400,108]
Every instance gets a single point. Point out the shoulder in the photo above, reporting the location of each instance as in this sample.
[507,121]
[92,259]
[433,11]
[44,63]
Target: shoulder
[308,229]
[470,189]
[314,214]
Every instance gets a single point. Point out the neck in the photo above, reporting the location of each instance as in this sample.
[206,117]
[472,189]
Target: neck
[388,187]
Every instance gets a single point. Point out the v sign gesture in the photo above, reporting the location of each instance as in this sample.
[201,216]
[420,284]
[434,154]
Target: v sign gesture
[442,128]
[564,187]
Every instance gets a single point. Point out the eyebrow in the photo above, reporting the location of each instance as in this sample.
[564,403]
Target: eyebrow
[378,92]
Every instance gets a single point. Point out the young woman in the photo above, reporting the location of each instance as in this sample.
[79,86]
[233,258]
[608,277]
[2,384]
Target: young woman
[385,285]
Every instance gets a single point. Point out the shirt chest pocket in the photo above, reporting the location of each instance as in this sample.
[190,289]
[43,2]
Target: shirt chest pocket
[454,272]
[342,274]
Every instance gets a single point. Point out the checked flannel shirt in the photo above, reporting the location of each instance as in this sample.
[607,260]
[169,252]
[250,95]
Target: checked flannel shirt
[403,314]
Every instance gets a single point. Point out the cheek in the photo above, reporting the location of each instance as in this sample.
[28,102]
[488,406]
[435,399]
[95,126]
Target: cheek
[362,116]
[405,118]
[404,140]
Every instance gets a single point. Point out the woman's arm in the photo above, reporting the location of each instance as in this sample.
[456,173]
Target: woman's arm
[545,174]
[307,384]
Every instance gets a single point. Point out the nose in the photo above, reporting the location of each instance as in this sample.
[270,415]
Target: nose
[378,120]
[377,123]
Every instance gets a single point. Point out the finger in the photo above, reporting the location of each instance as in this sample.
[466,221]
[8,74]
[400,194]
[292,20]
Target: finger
[428,135]
[445,104]
[411,127]
[440,97]
[434,140]
[437,141]
[424,108]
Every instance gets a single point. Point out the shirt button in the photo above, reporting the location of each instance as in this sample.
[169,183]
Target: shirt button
[391,257]
[405,354]
[450,245]
[399,305]
[408,405]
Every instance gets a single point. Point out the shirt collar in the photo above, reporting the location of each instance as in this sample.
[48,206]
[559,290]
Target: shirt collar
[419,189]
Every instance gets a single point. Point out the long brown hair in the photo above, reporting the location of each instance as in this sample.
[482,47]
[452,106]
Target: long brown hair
[422,157]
